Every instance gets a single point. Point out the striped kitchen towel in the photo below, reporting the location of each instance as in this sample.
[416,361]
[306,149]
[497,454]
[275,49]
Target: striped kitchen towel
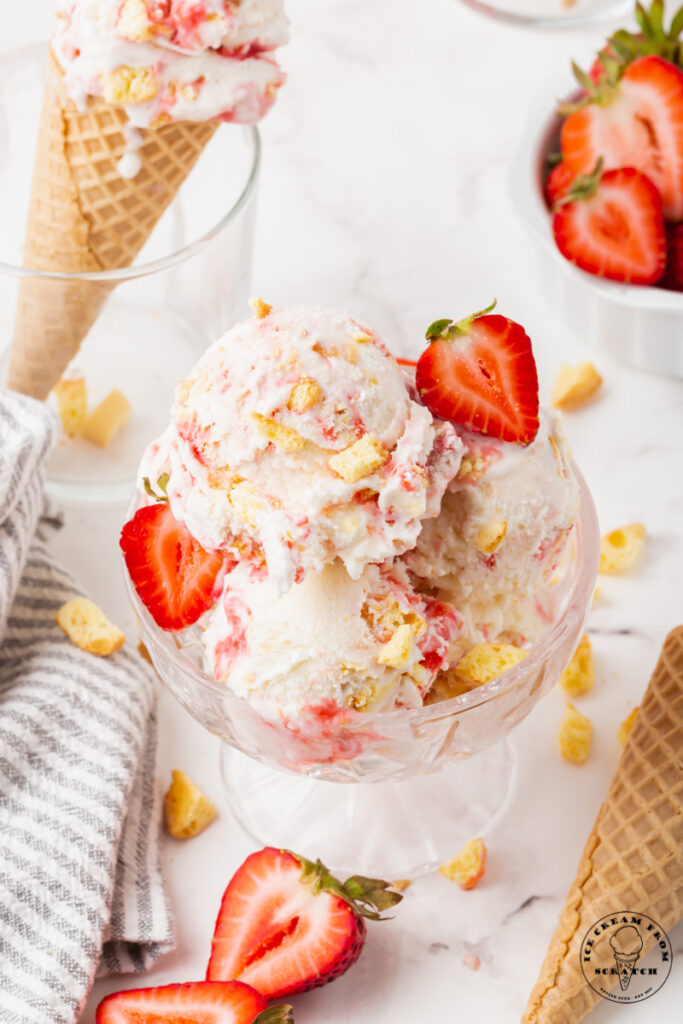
[81,886]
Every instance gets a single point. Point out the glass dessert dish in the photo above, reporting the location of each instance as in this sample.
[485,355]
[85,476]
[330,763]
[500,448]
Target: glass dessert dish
[558,14]
[188,285]
[360,788]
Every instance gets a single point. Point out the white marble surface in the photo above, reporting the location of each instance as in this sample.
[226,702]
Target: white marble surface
[384,191]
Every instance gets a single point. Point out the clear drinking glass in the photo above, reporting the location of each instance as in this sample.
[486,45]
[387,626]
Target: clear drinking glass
[552,13]
[362,789]
[189,284]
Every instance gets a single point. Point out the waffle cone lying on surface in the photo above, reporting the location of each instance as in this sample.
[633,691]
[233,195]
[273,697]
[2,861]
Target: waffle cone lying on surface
[633,859]
[85,217]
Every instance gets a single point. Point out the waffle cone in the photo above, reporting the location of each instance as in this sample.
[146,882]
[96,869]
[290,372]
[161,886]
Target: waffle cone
[632,860]
[83,218]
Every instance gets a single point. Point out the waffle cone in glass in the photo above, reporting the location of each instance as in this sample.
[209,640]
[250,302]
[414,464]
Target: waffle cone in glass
[632,860]
[85,218]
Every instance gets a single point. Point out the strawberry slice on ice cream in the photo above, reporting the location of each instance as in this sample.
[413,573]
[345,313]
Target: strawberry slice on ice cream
[204,1002]
[286,925]
[480,373]
[176,579]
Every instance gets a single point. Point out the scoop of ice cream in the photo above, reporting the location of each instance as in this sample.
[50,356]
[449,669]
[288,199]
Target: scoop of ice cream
[295,441]
[173,60]
[496,549]
[626,941]
[331,642]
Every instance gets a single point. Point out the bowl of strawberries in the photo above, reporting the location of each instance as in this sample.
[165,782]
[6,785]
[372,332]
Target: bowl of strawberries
[599,185]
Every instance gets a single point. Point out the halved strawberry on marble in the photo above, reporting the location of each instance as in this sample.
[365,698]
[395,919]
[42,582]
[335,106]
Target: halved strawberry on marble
[287,925]
[611,224]
[480,373]
[203,1002]
[175,578]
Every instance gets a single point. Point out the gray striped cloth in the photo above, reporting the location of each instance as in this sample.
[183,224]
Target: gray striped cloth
[81,887]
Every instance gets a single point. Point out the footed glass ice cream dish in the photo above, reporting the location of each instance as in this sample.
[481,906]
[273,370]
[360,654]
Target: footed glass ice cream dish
[361,576]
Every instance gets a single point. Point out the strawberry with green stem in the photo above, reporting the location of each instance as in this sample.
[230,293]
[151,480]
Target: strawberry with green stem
[203,1002]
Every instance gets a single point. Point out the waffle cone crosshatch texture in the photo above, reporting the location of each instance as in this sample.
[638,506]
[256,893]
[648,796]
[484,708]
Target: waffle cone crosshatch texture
[632,865]
[85,217]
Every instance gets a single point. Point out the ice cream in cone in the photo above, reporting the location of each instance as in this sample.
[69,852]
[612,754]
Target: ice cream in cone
[631,862]
[627,944]
[134,93]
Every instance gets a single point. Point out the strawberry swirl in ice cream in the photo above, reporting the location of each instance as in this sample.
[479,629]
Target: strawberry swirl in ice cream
[173,60]
[295,441]
[372,644]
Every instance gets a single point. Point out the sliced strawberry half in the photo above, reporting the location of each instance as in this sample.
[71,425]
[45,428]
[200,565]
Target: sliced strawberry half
[481,373]
[635,122]
[174,576]
[558,183]
[673,275]
[286,925]
[203,1002]
[612,225]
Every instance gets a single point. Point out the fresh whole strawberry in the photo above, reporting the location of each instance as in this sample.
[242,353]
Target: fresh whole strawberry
[558,183]
[203,1002]
[174,576]
[286,925]
[637,122]
[673,275]
[612,225]
[480,373]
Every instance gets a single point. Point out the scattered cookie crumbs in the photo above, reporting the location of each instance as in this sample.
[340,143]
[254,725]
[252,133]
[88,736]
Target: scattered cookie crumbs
[575,735]
[187,811]
[624,730]
[88,627]
[401,884]
[72,404]
[360,459]
[620,548]
[305,394]
[575,385]
[144,653]
[579,676]
[471,961]
[468,866]
[261,308]
[108,419]
[485,662]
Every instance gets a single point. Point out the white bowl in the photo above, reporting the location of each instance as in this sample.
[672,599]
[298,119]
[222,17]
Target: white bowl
[634,324]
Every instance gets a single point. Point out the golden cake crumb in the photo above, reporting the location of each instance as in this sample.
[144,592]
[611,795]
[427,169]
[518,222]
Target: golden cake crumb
[282,437]
[72,404]
[471,469]
[624,730]
[491,536]
[88,627]
[575,735]
[246,503]
[401,884]
[620,548]
[110,417]
[468,866]
[485,662]
[579,676]
[396,652]
[359,460]
[305,394]
[186,809]
[133,23]
[575,385]
[130,85]
[261,308]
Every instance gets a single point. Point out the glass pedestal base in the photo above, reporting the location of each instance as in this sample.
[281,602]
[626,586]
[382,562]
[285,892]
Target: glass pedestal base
[384,829]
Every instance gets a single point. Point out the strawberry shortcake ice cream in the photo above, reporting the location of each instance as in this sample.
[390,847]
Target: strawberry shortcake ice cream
[343,529]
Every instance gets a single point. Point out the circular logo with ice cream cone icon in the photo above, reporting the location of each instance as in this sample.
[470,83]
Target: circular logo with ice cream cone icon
[626,957]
